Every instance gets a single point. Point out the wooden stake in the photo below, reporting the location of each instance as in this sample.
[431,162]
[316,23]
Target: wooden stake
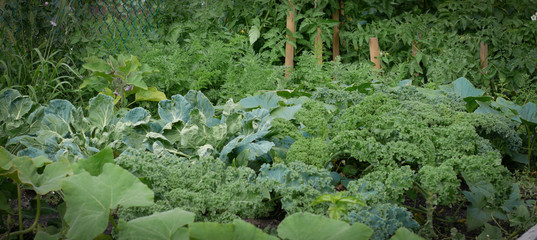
[289,49]
[483,54]
[335,36]
[374,51]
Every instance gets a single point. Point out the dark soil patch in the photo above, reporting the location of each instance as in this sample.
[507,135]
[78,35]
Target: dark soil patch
[264,224]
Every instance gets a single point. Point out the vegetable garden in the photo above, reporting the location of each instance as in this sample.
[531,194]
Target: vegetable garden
[265,119]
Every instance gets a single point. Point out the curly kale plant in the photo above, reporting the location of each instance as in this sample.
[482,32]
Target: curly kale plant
[205,187]
[312,151]
[314,117]
[384,219]
[297,184]
[385,184]
[389,130]
[311,147]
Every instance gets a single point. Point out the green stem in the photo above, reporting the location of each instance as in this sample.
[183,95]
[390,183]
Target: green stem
[498,224]
[31,228]
[113,222]
[513,234]
[7,226]
[457,211]
[530,145]
[19,201]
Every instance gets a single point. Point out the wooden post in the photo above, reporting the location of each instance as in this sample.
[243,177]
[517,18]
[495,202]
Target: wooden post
[335,36]
[289,49]
[374,51]
[483,54]
[318,46]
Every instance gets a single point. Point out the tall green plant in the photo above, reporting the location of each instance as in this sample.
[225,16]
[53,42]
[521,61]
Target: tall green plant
[120,77]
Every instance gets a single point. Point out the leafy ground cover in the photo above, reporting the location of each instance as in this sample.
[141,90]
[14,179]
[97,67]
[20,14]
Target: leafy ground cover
[204,134]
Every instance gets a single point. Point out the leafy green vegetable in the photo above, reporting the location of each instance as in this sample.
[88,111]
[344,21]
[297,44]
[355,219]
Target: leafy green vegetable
[101,111]
[338,203]
[404,234]
[204,186]
[310,226]
[385,219]
[91,198]
[24,170]
[164,225]
[237,230]
[120,77]
[312,151]
[297,183]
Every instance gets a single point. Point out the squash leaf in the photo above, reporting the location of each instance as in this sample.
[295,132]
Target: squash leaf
[89,199]
[164,225]
[306,226]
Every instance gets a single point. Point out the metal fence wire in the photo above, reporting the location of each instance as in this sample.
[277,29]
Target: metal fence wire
[121,25]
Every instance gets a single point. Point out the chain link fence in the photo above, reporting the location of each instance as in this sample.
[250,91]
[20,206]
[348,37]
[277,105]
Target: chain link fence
[120,25]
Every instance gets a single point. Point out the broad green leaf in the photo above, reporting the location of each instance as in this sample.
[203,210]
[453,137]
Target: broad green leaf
[405,234]
[174,110]
[94,164]
[324,198]
[198,100]
[151,94]
[101,110]
[254,34]
[514,200]
[244,230]
[172,131]
[465,88]
[462,88]
[94,82]
[528,114]
[472,104]
[193,136]
[287,113]
[163,225]
[217,135]
[305,226]
[55,124]
[238,230]
[19,107]
[6,97]
[89,199]
[256,149]
[485,108]
[128,64]
[34,120]
[137,81]
[286,93]
[62,109]
[136,116]
[47,236]
[267,100]
[242,159]
[197,118]
[24,170]
[491,233]
[96,64]
[5,159]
